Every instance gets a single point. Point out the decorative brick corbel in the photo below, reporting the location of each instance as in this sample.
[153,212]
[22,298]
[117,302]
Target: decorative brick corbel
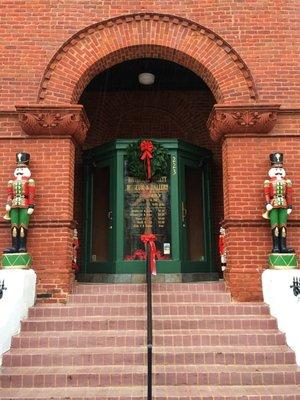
[51,120]
[241,119]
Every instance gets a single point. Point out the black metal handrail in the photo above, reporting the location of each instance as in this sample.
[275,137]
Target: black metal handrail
[149,324]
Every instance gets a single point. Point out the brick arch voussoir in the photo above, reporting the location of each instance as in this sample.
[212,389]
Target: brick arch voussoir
[110,42]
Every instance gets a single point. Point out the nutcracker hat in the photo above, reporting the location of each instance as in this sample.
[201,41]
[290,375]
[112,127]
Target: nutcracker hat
[276,159]
[22,159]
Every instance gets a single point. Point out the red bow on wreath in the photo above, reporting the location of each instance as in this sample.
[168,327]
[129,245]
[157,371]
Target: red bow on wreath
[147,148]
[150,238]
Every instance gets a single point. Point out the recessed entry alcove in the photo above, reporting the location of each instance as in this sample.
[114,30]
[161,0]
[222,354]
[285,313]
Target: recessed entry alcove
[171,106]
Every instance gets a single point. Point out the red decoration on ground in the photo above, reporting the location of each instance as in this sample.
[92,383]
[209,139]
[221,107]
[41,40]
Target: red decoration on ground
[222,250]
[150,238]
[75,246]
[147,149]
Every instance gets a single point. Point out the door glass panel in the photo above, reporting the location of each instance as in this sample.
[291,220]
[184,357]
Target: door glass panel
[194,213]
[100,210]
[147,209]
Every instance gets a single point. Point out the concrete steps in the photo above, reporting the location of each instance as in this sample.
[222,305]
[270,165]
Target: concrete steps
[203,287]
[96,323]
[171,297]
[123,375]
[184,392]
[205,347]
[192,337]
[177,309]
[165,355]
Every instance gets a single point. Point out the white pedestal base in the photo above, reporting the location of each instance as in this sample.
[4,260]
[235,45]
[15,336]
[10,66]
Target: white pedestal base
[284,305]
[16,299]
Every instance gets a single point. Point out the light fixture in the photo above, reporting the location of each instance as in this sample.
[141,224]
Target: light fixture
[146,78]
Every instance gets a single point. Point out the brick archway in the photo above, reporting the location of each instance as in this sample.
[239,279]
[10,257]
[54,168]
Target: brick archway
[105,44]
[235,118]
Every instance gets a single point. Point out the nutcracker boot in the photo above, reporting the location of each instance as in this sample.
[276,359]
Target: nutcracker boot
[275,238]
[23,240]
[283,248]
[14,241]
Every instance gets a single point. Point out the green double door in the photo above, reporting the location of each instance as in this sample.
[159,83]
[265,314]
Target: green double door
[195,221]
[179,206]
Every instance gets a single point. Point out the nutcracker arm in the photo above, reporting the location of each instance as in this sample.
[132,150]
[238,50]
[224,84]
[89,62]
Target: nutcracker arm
[289,194]
[267,193]
[10,195]
[31,193]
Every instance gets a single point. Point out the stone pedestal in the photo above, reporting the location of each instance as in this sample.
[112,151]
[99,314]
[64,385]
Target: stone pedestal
[16,261]
[17,296]
[284,304]
[283,261]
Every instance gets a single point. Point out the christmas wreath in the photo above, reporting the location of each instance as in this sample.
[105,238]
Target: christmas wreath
[147,160]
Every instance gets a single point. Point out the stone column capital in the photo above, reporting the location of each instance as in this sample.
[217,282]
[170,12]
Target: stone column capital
[54,120]
[241,119]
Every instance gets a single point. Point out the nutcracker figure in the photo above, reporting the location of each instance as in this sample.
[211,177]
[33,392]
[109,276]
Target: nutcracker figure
[75,246]
[20,204]
[278,195]
[222,250]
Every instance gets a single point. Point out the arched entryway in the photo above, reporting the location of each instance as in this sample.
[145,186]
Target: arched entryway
[235,116]
[173,110]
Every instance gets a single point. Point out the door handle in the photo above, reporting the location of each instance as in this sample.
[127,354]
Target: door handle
[183,213]
[109,216]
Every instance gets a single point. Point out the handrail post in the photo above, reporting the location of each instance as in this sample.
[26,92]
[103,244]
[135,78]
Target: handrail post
[149,324]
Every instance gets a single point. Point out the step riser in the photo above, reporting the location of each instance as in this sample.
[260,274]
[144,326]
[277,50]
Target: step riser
[172,298]
[141,325]
[175,310]
[126,379]
[160,397]
[138,397]
[159,340]
[64,342]
[156,287]
[209,358]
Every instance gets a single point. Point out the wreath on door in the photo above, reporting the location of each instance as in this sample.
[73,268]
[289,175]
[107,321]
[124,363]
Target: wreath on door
[147,160]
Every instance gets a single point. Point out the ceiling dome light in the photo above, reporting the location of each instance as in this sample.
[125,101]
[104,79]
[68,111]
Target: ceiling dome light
[146,78]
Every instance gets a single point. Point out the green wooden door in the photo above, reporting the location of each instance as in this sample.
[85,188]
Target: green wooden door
[99,212]
[195,214]
[113,205]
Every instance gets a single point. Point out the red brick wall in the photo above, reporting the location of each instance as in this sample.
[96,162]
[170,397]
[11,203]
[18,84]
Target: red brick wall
[263,32]
[246,166]
[246,51]
[50,231]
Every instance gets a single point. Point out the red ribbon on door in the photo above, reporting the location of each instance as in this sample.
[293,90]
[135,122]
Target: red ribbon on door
[150,238]
[147,148]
